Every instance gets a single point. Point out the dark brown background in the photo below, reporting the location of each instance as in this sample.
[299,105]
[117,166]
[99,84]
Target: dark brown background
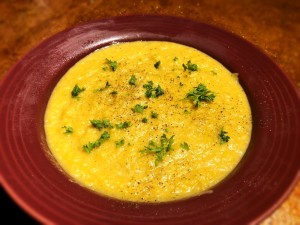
[272,25]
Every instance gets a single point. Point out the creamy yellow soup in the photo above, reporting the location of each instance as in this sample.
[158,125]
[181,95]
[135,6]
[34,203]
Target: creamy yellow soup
[148,121]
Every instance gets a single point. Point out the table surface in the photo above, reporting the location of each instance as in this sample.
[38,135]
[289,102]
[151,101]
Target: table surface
[271,25]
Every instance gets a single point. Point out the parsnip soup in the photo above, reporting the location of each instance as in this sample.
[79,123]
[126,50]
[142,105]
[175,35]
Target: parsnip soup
[148,121]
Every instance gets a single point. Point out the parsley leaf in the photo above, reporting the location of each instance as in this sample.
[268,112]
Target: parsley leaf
[120,143]
[91,145]
[123,125]
[107,85]
[190,66]
[161,149]
[153,92]
[144,120]
[185,146]
[132,80]
[223,137]
[106,124]
[101,124]
[113,93]
[97,123]
[157,64]
[213,72]
[76,91]
[68,129]
[113,64]
[154,115]
[139,108]
[200,94]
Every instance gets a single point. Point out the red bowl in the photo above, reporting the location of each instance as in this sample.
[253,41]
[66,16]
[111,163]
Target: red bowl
[262,180]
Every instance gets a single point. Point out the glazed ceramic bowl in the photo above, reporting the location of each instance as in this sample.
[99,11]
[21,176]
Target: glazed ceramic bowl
[262,180]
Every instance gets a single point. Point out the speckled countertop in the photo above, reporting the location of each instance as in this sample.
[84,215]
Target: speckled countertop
[271,25]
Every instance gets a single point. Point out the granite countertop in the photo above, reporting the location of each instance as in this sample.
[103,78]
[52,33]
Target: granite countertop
[271,25]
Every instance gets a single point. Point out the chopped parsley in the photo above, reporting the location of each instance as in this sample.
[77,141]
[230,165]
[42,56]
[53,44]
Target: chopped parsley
[100,124]
[139,108]
[123,125]
[76,91]
[68,129]
[190,66]
[144,120]
[185,146]
[113,93]
[154,115]
[112,64]
[223,137]
[107,85]
[213,72]
[120,143]
[91,145]
[107,124]
[161,149]
[157,64]
[132,80]
[175,58]
[153,92]
[200,94]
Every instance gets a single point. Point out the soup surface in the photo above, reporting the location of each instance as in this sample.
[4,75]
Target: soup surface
[148,121]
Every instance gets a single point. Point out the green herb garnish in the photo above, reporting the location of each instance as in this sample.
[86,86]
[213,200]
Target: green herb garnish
[154,115]
[76,91]
[144,120]
[100,124]
[120,143]
[113,64]
[68,129]
[97,123]
[157,64]
[91,145]
[213,72]
[190,66]
[200,94]
[161,149]
[223,137]
[107,85]
[139,108]
[113,93]
[106,124]
[132,80]
[185,146]
[153,92]
[123,125]
[175,58]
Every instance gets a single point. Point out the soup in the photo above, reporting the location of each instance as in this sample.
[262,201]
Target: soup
[148,121]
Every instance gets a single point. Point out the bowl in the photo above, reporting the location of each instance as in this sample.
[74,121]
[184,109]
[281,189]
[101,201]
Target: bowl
[259,184]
